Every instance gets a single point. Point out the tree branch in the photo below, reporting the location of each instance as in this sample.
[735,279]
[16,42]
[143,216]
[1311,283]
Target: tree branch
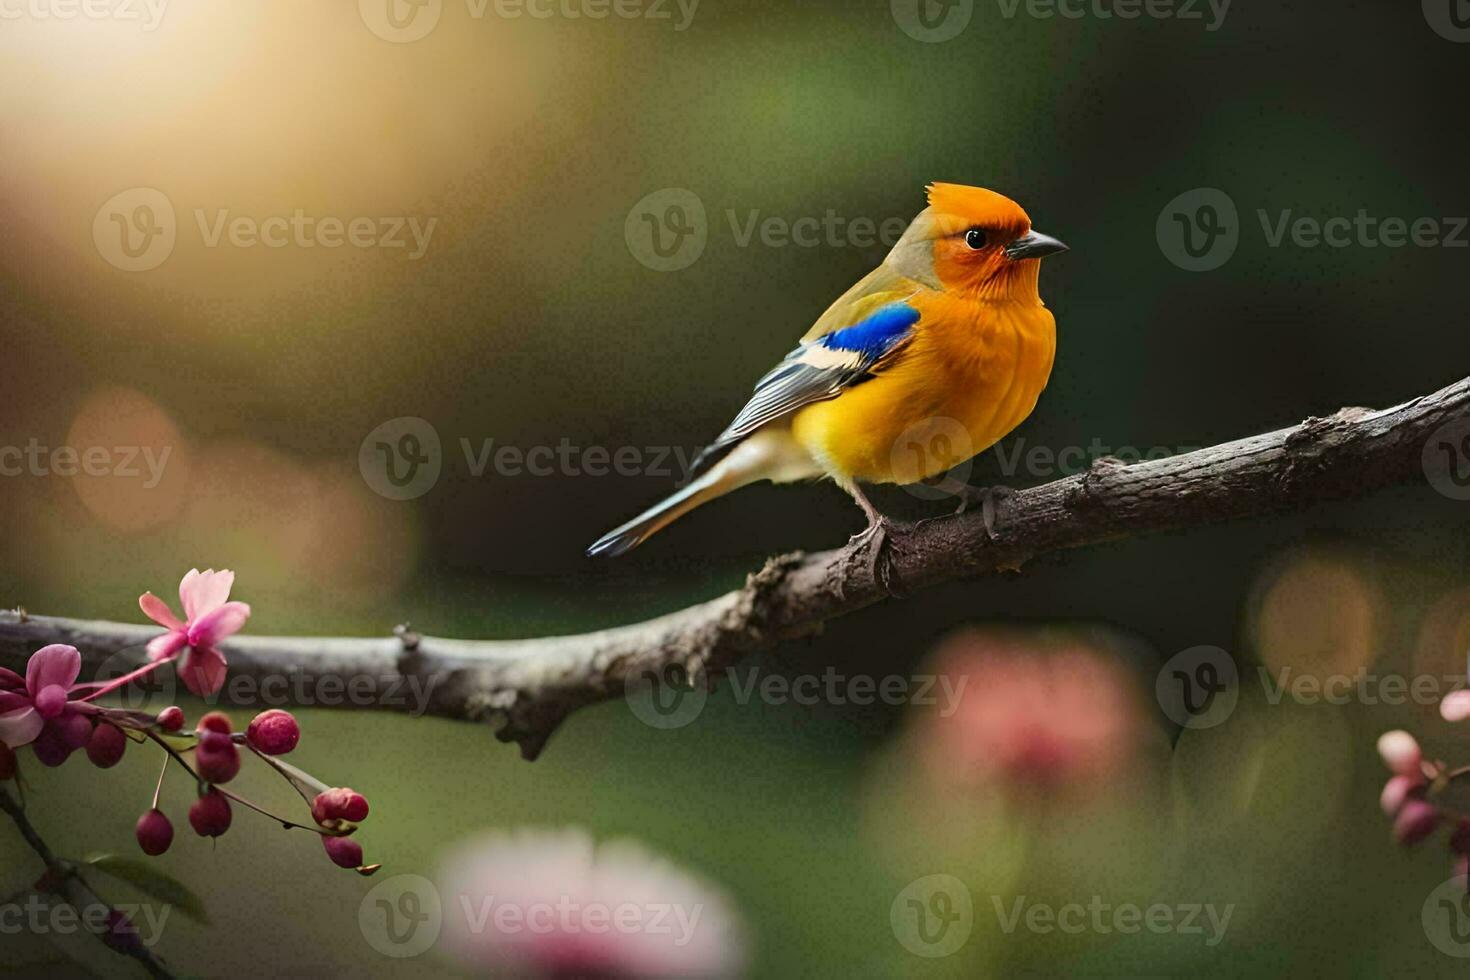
[63,878]
[529,686]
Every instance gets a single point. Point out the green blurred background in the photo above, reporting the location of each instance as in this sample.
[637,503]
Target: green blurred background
[530,320]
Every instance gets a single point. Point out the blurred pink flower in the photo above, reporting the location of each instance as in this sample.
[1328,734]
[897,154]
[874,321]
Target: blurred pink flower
[553,903]
[1455,706]
[1039,717]
[1400,752]
[209,618]
[42,701]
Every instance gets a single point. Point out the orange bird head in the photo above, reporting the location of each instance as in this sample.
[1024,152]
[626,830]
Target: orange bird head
[972,240]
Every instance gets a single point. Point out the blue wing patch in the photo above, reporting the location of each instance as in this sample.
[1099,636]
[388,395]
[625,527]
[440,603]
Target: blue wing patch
[876,334]
[818,370]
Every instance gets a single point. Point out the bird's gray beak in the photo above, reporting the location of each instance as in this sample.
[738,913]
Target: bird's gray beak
[1033,245]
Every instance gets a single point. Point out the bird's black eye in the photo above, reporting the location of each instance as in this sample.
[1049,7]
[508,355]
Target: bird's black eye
[975,238]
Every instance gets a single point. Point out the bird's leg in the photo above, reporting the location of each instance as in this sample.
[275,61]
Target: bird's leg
[989,499]
[874,538]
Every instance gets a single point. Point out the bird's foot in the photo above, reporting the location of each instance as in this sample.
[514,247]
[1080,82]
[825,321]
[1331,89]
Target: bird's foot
[876,542]
[990,500]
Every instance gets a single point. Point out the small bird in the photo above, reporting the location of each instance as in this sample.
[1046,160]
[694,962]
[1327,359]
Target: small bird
[929,359]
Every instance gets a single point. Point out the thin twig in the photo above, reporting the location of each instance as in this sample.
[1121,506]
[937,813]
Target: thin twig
[65,879]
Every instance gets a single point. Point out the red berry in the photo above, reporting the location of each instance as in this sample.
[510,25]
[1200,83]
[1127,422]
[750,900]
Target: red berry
[74,729]
[274,732]
[171,719]
[1416,821]
[210,814]
[154,832]
[50,749]
[105,747]
[7,762]
[216,759]
[344,851]
[339,803]
[215,721]
[1397,790]
[121,934]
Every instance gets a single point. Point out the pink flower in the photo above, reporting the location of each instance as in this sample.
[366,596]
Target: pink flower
[554,903]
[209,618]
[1046,716]
[42,701]
[1400,752]
[1455,706]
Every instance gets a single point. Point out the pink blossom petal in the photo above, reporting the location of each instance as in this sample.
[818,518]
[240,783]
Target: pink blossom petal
[21,727]
[203,671]
[1400,752]
[1455,706]
[166,645]
[204,592]
[57,664]
[158,611]
[225,621]
[10,679]
[13,701]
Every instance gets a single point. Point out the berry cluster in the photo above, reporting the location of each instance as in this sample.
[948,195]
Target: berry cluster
[1413,798]
[56,715]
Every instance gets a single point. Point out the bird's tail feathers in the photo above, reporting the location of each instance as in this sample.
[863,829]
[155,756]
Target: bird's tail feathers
[626,537]
[770,454]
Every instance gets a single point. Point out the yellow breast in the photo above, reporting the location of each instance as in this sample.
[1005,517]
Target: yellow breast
[971,374]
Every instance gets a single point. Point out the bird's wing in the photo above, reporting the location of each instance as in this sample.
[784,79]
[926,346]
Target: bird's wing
[857,339]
